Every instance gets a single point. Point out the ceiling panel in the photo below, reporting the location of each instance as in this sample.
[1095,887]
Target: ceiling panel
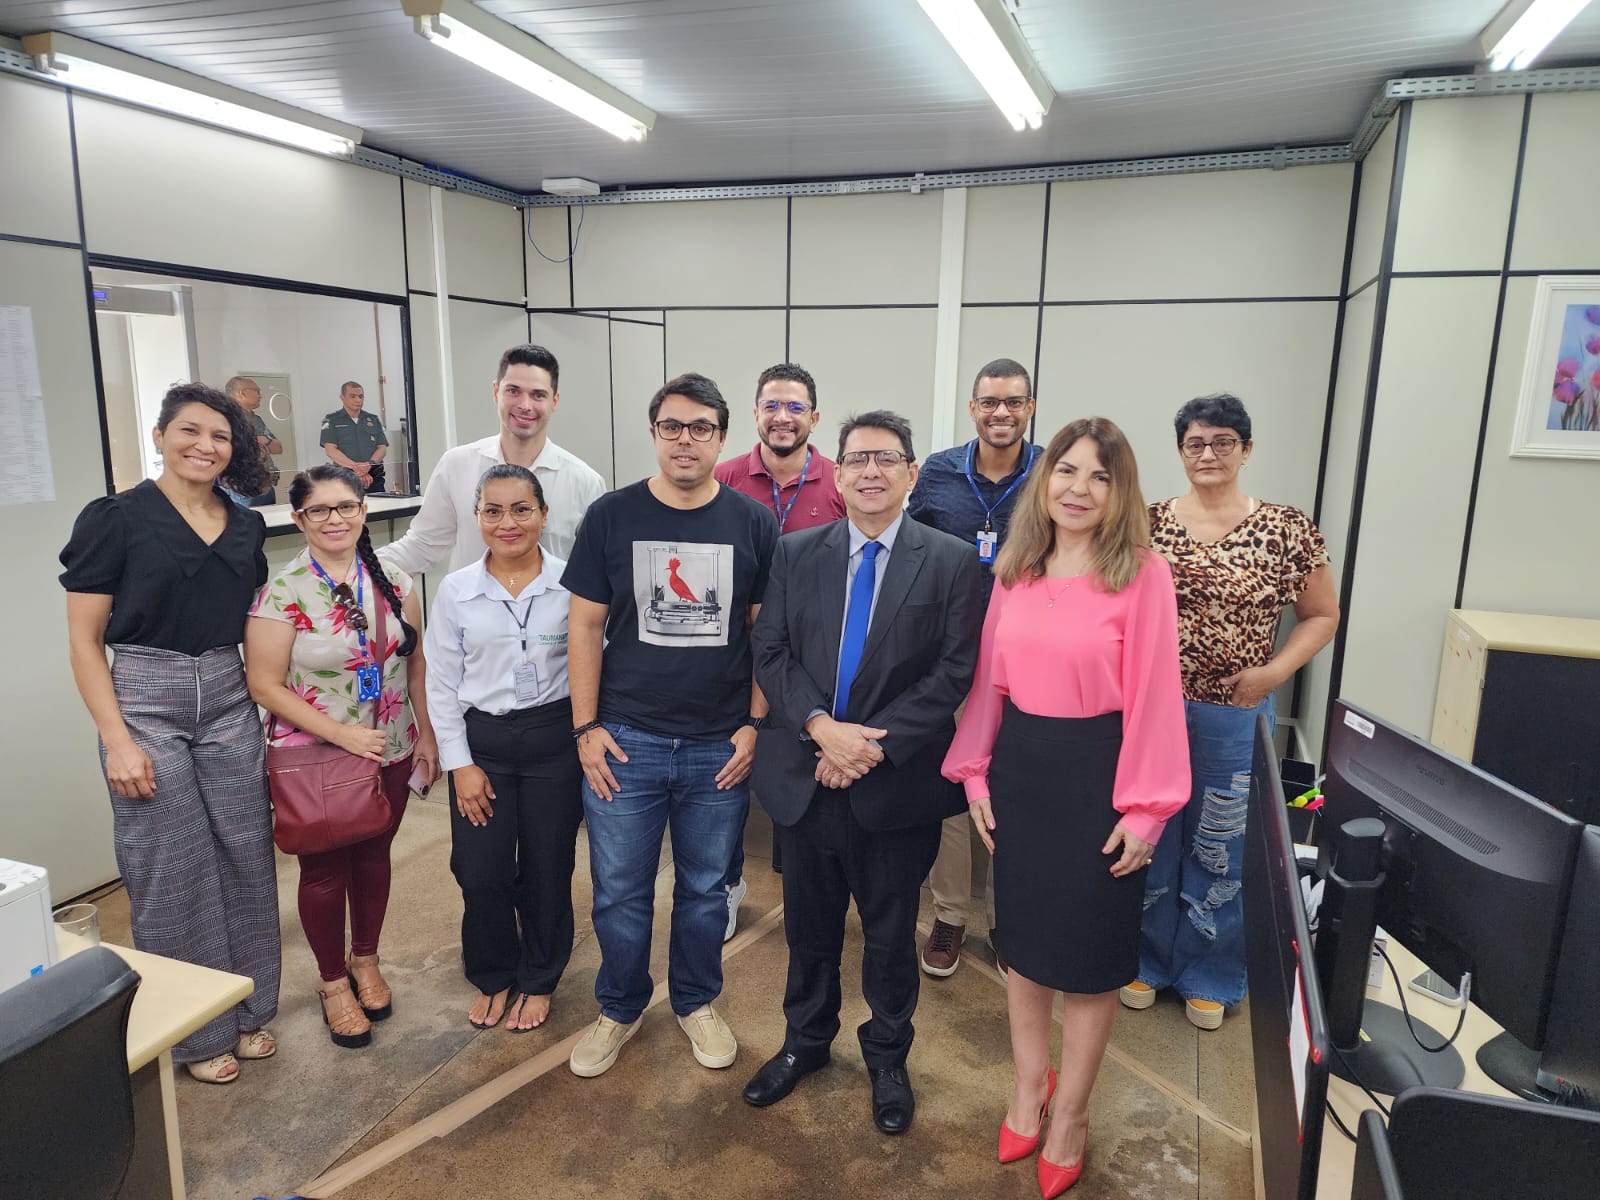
[774,89]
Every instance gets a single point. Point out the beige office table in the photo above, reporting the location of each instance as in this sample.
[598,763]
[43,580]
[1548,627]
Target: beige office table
[174,999]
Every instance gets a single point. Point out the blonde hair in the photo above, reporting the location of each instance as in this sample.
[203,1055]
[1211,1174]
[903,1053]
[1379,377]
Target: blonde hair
[1123,531]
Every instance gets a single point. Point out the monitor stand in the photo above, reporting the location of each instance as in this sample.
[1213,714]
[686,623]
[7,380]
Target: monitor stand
[1513,1066]
[1387,1059]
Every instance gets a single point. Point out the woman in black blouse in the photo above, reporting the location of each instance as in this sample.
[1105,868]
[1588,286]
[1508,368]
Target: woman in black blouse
[164,574]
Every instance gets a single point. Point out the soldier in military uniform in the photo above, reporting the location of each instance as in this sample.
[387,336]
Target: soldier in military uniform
[356,439]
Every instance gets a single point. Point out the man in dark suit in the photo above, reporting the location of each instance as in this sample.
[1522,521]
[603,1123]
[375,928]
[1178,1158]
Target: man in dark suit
[865,644]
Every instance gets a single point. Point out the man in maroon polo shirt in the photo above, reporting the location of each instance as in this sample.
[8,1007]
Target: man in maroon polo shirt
[795,480]
[784,471]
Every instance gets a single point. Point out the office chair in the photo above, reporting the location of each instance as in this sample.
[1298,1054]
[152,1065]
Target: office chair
[1442,1144]
[66,1103]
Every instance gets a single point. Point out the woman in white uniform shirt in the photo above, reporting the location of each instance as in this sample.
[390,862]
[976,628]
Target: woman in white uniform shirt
[497,682]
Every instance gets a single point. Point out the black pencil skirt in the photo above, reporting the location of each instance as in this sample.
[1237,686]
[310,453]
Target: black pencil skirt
[1061,919]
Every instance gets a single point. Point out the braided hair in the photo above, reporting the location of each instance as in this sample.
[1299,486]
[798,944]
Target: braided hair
[300,488]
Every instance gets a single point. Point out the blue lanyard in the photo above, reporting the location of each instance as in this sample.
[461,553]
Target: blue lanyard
[988,510]
[782,510]
[361,596]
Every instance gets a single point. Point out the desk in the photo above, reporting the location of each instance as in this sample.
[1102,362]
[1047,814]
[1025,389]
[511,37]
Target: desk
[1338,1152]
[174,999]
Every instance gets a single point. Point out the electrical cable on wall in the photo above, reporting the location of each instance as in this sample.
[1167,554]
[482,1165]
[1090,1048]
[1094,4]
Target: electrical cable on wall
[527,226]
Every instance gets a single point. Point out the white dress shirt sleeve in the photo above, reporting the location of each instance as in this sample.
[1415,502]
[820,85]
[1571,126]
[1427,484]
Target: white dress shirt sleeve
[442,643]
[432,535]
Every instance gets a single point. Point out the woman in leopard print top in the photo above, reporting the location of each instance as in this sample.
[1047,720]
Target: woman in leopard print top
[1238,562]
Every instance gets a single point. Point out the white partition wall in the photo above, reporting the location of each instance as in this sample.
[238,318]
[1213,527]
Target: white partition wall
[55,812]
[1420,484]
[162,190]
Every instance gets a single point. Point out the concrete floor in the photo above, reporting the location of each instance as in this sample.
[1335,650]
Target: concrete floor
[434,1108]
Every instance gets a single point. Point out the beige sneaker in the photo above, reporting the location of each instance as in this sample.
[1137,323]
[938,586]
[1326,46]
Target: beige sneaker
[711,1038]
[1137,995]
[598,1049]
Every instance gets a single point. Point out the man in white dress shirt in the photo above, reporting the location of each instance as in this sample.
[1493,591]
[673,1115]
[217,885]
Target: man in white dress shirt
[525,393]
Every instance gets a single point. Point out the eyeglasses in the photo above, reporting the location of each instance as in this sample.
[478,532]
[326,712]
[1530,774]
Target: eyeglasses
[798,408]
[1222,445]
[317,514]
[1014,404]
[669,430]
[353,616]
[856,460]
[522,514]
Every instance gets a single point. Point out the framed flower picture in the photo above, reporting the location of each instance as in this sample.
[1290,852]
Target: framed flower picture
[1558,409]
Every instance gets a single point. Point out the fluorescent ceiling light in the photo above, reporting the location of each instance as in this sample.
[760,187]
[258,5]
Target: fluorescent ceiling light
[1524,28]
[107,72]
[504,50]
[986,37]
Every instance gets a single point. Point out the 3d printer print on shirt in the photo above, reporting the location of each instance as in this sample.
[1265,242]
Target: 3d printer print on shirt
[681,590]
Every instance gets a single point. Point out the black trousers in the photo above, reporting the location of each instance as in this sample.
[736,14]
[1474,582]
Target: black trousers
[516,871]
[828,858]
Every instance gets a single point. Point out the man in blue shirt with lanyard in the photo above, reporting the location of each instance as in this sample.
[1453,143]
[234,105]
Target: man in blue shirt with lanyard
[970,491]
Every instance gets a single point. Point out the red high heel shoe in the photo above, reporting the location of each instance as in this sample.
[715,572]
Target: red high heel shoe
[1012,1144]
[1053,1179]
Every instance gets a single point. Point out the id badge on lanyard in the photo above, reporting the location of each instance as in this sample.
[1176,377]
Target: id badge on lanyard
[987,540]
[369,686]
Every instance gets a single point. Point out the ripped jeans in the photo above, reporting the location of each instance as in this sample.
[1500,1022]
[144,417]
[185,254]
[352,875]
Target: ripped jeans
[1193,931]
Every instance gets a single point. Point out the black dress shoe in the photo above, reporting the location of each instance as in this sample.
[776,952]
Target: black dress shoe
[892,1101]
[778,1075]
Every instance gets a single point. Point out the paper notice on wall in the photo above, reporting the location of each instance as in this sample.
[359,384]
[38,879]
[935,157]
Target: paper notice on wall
[25,474]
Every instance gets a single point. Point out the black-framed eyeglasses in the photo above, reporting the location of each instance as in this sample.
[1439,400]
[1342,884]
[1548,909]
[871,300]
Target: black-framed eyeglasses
[1014,404]
[797,408]
[856,460]
[1222,445]
[353,615]
[317,514]
[669,430]
[522,514]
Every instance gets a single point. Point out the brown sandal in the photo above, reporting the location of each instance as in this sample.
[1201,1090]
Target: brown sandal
[376,999]
[341,1013]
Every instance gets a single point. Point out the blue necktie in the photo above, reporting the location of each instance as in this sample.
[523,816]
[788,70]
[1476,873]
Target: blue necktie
[856,618]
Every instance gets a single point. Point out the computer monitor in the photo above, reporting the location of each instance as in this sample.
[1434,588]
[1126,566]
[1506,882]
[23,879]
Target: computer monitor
[1288,1030]
[1468,873]
[1568,1069]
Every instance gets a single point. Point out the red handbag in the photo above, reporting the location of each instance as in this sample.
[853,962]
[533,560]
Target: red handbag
[324,797]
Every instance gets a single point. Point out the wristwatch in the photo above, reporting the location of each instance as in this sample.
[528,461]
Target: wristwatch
[757,723]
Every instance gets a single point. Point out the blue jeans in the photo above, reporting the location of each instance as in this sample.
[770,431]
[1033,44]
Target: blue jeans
[665,782]
[1193,930]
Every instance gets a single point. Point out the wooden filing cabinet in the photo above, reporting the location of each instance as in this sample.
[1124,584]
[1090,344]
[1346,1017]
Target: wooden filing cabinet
[1519,696]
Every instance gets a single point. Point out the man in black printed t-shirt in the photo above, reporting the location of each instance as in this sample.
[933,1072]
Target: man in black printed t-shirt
[666,576]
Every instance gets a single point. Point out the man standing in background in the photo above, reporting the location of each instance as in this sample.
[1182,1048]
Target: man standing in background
[356,439]
[969,491]
[796,480]
[248,394]
[526,395]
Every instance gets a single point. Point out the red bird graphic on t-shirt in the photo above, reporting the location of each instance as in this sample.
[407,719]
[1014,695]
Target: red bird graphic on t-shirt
[678,585]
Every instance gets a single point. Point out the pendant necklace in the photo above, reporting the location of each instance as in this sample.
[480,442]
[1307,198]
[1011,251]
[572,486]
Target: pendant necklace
[1052,597]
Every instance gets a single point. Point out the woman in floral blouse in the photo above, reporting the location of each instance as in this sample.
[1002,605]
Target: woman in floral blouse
[311,651]
[1238,563]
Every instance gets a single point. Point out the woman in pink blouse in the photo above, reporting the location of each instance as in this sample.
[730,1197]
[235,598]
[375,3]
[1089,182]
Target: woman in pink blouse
[1073,752]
